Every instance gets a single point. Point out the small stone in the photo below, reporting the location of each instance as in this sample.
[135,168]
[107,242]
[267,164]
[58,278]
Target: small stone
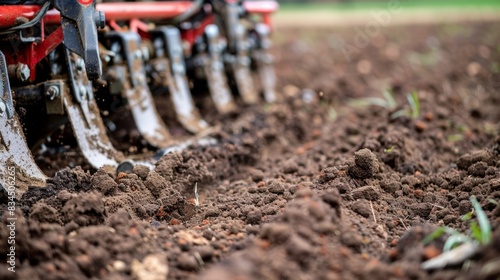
[153,267]
[431,252]
[290,168]
[478,169]
[473,69]
[298,247]
[254,217]
[428,116]
[464,207]
[141,171]
[421,209]
[420,126]
[362,207]
[352,240]
[187,262]
[366,192]
[119,266]
[276,187]
[206,252]
[365,164]
[256,175]
[212,212]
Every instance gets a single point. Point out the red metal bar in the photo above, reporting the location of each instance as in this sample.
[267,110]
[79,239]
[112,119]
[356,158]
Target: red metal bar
[113,11]
[9,14]
[192,34]
[125,11]
[31,54]
[261,7]
[143,10]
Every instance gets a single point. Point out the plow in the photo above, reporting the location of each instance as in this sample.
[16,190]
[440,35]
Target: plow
[95,68]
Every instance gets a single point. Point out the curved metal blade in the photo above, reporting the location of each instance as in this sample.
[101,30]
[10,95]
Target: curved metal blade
[267,75]
[264,62]
[83,114]
[136,90]
[215,73]
[18,170]
[17,167]
[90,132]
[146,118]
[187,114]
[244,82]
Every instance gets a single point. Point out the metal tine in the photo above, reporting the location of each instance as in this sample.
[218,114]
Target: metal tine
[18,169]
[265,63]
[241,68]
[170,61]
[238,56]
[213,67]
[136,90]
[83,114]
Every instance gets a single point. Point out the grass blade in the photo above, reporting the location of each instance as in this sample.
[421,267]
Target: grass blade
[484,223]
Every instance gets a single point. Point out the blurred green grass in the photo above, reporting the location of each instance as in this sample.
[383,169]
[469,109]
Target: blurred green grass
[405,4]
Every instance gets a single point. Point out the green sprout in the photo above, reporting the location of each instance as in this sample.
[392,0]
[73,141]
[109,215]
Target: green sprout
[388,102]
[480,230]
[389,150]
[414,110]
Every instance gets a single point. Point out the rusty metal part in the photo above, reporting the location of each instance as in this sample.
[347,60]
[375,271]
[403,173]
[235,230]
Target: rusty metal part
[19,71]
[17,167]
[265,63]
[83,114]
[171,67]
[53,98]
[213,66]
[136,90]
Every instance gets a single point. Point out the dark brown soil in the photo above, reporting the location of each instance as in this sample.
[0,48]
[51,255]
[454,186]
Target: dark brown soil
[308,188]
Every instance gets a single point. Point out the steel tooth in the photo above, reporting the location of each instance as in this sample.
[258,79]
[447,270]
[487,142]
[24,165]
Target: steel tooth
[17,166]
[18,169]
[83,114]
[267,76]
[265,65]
[241,67]
[213,67]
[176,80]
[238,59]
[137,93]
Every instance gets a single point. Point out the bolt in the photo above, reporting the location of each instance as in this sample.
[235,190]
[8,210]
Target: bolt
[83,91]
[100,19]
[138,54]
[80,64]
[2,108]
[52,92]
[145,52]
[23,72]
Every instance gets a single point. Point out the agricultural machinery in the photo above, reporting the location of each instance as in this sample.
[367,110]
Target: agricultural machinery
[79,65]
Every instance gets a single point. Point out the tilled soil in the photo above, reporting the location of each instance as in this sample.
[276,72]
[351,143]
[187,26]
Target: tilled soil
[308,188]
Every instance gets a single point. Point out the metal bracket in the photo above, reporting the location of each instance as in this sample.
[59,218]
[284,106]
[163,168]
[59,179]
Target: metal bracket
[79,23]
[53,97]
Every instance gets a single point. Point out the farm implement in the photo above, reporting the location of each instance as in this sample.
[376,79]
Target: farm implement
[91,69]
